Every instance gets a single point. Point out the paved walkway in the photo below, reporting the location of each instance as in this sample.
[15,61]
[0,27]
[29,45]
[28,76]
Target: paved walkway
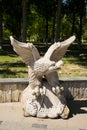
[11,118]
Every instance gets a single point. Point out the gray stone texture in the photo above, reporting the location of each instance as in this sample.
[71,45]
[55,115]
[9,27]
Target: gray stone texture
[11,89]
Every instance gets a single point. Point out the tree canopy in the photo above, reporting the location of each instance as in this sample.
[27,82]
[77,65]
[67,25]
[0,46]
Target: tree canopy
[43,21]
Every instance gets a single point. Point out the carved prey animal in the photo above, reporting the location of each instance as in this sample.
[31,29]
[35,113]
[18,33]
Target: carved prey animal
[43,98]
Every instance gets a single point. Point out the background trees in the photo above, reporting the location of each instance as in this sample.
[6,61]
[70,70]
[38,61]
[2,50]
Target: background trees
[43,21]
[0,23]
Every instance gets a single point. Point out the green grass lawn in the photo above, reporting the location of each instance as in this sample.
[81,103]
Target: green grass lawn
[73,67]
[11,66]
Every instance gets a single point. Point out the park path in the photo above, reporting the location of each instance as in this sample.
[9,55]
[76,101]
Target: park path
[11,119]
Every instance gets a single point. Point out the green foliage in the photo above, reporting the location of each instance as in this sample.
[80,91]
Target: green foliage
[6,34]
[40,15]
[65,28]
[36,25]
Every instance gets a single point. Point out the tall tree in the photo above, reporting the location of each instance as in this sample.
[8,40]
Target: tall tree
[24,20]
[81,12]
[75,13]
[58,20]
[73,17]
[44,7]
[1,24]
[53,28]
[54,8]
[12,16]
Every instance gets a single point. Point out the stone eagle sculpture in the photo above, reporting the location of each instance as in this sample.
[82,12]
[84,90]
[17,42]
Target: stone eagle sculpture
[44,95]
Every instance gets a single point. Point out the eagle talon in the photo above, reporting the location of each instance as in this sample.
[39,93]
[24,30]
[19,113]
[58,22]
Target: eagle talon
[58,91]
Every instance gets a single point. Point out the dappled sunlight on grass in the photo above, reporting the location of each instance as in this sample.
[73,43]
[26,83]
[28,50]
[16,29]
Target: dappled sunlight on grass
[11,66]
[72,70]
[73,67]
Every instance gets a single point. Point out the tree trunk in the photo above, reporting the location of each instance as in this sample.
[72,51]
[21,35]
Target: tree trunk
[73,20]
[58,20]
[73,23]
[46,39]
[80,30]
[24,27]
[1,30]
[18,32]
[53,29]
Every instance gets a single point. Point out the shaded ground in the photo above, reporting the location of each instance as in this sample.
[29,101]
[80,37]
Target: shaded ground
[77,107]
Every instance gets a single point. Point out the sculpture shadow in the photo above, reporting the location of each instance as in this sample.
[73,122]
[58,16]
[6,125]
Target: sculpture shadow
[47,102]
[77,107]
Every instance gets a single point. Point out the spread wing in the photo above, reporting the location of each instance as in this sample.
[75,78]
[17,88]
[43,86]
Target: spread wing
[57,50]
[27,51]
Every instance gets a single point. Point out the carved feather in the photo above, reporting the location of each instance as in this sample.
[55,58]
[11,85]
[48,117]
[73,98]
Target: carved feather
[57,50]
[27,51]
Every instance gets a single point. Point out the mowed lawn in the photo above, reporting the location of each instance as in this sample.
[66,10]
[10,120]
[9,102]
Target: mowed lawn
[11,66]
